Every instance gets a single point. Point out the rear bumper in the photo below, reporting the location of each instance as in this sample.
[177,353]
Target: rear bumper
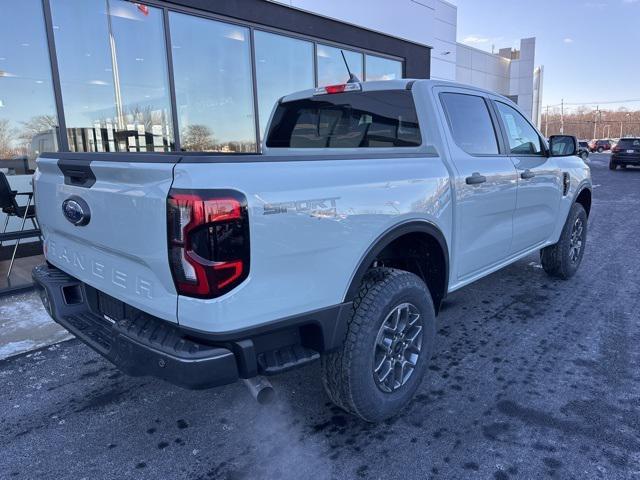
[137,346]
[626,159]
[142,345]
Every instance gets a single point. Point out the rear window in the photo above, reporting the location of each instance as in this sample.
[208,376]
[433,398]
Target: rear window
[629,143]
[347,120]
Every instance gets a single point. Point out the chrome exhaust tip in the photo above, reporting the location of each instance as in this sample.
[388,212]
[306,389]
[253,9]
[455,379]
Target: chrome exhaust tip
[261,389]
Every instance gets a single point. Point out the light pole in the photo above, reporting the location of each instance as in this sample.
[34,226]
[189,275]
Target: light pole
[628,115]
[546,124]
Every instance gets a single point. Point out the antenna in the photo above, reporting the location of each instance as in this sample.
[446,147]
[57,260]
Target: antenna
[352,77]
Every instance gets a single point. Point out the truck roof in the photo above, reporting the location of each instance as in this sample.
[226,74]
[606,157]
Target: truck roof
[394,85]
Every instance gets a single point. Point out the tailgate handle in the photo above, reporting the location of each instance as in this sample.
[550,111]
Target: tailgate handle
[77,173]
[77,177]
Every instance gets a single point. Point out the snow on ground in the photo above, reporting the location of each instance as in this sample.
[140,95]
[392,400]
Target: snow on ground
[25,326]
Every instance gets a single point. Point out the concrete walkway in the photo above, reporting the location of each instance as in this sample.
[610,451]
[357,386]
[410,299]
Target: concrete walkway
[25,326]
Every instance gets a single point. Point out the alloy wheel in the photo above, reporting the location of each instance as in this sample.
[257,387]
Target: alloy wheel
[397,348]
[576,240]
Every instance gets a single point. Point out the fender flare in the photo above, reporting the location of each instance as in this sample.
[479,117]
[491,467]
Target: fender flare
[385,239]
[584,185]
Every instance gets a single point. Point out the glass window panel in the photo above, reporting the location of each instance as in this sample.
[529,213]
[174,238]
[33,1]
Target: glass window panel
[523,138]
[379,68]
[471,124]
[331,67]
[214,90]
[283,65]
[113,74]
[28,120]
[375,119]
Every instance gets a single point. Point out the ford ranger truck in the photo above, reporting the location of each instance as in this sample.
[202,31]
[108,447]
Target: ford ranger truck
[369,203]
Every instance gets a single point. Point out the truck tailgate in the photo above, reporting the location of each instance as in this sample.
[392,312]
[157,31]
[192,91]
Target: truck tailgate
[122,250]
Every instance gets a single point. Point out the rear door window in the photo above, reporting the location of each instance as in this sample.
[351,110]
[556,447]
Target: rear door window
[376,119]
[471,124]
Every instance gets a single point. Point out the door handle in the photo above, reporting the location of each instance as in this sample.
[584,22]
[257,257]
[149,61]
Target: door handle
[527,174]
[475,179]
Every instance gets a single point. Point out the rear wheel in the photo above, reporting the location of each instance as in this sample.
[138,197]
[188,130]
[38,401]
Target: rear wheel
[563,259]
[387,348]
[612,165]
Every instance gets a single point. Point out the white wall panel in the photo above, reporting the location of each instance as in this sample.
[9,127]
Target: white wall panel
[434,23]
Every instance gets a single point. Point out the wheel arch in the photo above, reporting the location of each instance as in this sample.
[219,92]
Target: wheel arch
[584,198]
[419,231]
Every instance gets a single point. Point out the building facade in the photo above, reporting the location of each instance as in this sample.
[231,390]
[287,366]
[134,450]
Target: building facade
[509,72]
[201,75]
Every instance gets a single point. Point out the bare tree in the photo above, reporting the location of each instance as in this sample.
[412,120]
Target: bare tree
[583,121]
[7,134]
[147,116]
[198,138]
[36,125]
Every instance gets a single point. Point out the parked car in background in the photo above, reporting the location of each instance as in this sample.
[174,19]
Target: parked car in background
[583,149]
[599,145]
[626,152]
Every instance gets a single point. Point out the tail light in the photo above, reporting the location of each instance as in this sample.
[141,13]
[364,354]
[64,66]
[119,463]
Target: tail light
[615,149]
[208,234]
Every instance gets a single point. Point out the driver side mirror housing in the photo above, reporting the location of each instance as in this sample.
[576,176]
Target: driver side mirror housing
[563,145]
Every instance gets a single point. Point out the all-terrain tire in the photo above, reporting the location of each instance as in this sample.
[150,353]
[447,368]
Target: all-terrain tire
[348,373]
[560,260]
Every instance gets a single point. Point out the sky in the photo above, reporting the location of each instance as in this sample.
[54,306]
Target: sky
[590,49]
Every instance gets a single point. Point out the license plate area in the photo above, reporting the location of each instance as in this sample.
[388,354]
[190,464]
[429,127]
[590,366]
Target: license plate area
[110,308]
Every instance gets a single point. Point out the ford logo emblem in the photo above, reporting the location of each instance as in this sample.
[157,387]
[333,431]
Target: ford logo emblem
[76,211]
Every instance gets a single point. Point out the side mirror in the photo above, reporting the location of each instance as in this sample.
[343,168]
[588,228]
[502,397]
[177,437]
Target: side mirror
[563,145]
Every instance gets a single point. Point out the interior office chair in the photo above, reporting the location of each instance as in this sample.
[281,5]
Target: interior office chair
[10,208]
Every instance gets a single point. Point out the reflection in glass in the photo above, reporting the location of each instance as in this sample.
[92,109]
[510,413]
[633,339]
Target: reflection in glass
[331,67]
[28,121]
[379,68]
[113,74]
[283,65]
[214,91]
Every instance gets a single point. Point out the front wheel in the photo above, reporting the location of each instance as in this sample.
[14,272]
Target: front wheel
[584,156]
[389,342]
[600,149]
[563,258]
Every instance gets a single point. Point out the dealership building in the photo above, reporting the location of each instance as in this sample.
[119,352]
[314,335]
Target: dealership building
[202,75]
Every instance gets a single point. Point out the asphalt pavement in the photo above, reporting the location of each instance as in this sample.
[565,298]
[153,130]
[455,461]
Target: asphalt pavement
[533,378]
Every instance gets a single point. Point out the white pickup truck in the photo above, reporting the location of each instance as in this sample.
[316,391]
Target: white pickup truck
[370,202]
